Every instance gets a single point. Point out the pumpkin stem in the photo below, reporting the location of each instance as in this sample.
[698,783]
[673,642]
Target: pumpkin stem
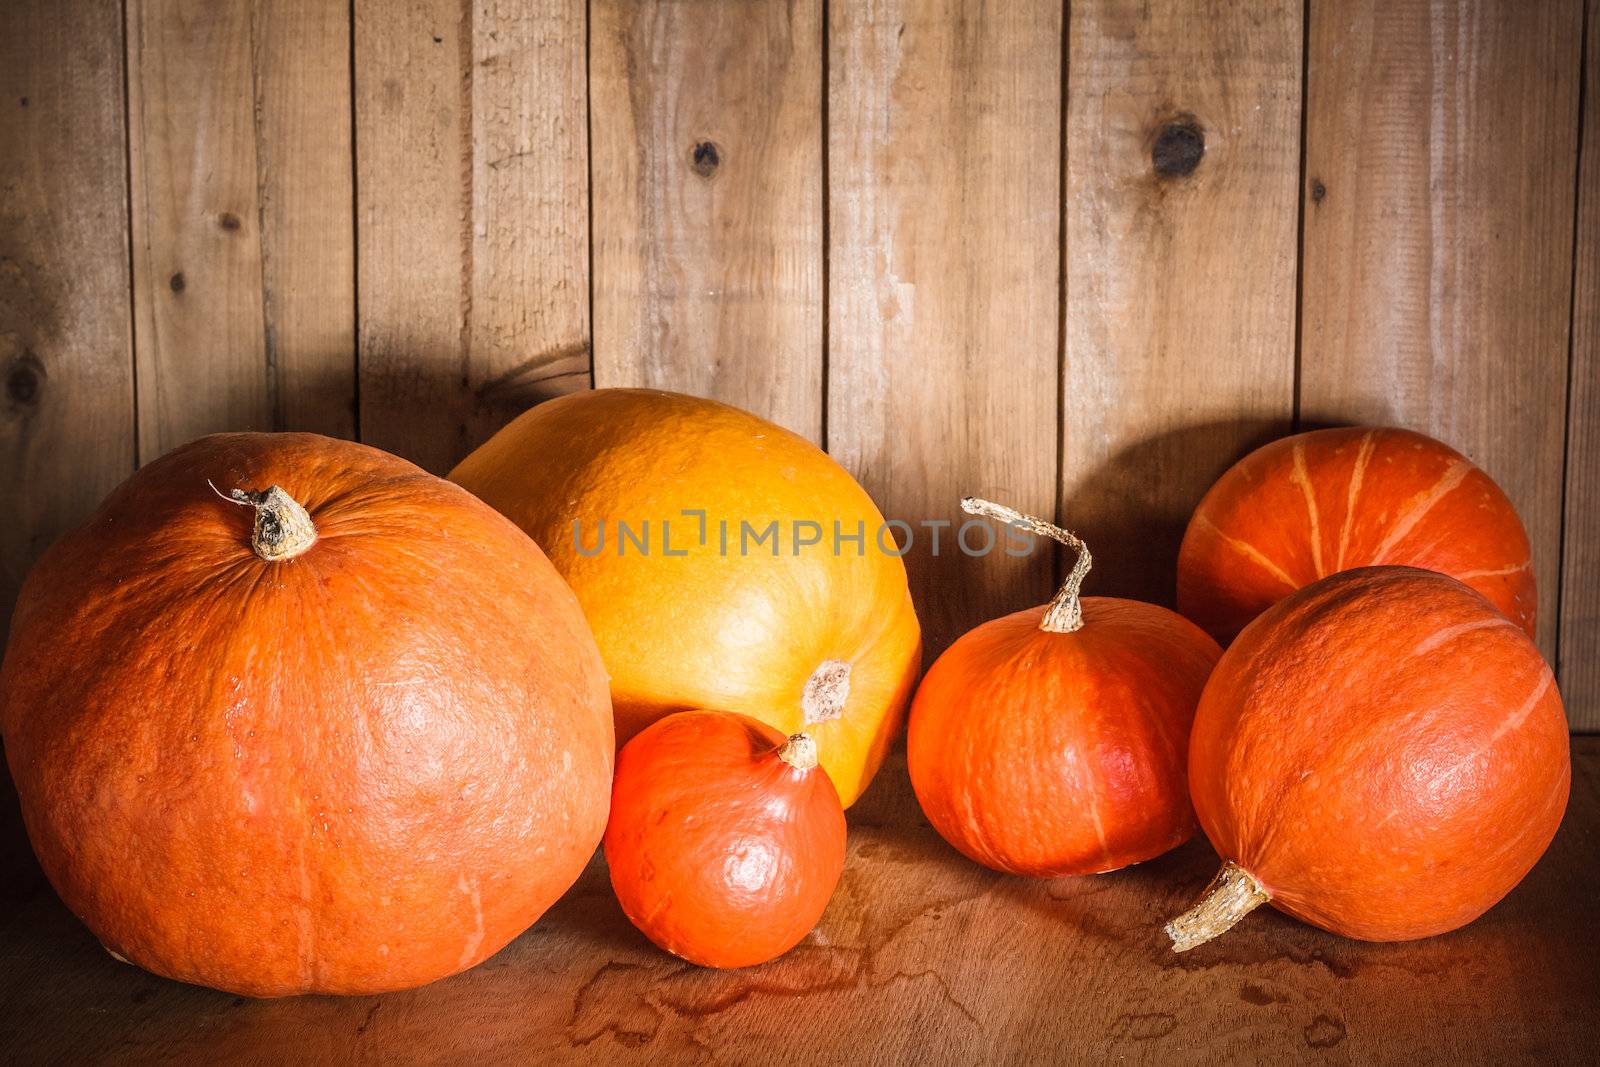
[283,528]
[799,752]
[1065,614]
[1232,894]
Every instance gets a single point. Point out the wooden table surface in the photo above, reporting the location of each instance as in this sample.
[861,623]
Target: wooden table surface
[921,958]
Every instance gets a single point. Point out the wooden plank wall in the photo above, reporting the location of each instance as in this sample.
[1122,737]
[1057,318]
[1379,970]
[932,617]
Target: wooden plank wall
[1578,642]
[1074,257]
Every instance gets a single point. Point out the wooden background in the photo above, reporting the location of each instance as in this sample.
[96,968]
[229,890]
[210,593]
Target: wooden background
[1077,257]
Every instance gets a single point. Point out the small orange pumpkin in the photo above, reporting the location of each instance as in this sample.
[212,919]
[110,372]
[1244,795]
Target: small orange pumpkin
[1053,741]
[1317,503]
[343,730]
[725,840]
[1381,754]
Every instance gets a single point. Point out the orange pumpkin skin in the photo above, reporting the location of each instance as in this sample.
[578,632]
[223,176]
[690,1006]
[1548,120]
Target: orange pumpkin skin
[720,850]
[360,769]
[757,629]
[1317,503]
[1048,754]
[1383,752]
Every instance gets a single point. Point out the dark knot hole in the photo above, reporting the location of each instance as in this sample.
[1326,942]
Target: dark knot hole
[1178,148]
[705,158]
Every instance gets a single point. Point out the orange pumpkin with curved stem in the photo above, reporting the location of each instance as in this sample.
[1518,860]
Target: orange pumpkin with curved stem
[1317,503]
[726,840]
[1381,754]
[1053,741]
[354,742]
[732,605]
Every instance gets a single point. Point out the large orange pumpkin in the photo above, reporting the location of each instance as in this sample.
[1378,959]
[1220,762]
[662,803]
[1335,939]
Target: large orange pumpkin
[342,730]
[683,526]
[726,840]
[1311,505]
[1053,741]
[1382,754]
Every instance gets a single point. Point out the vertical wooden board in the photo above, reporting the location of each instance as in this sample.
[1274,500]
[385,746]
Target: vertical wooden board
[1578,643]
[239,147]
[472,160]
[1440,146]
[304,180]
[66,359]
[707,127]
[1182,158]
[944,281]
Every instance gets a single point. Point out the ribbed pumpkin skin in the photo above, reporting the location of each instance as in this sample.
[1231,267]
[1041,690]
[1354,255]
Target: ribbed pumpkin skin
[719,851]
[731,632]
[1311,505]
[357,770]
[1061,753]
[1384,752]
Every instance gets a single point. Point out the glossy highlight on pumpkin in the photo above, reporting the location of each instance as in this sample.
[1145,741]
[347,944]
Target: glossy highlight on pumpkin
[726,840]
[803,638]
[1311,505]
[1382,753]
[1054,741]
[291,715]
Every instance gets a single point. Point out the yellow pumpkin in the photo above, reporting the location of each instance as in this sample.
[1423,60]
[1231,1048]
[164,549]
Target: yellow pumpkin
[716,556]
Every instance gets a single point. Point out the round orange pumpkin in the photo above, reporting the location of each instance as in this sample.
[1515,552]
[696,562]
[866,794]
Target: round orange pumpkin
[683,526]
[1382,754]
[1053,741]
[1317,503]
[726,840]
[290,715]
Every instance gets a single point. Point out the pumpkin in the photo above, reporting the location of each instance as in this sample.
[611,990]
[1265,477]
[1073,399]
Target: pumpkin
[1382,754]
[1311,505]
[726,840]
[701,541]
[1053,741]
[290,715]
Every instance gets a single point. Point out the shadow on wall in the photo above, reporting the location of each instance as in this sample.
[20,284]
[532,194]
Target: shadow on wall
[1133,508]
[20,877]
[434,407]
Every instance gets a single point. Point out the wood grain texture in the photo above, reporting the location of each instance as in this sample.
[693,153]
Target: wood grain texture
[944,172]
[66,357]
[1578,644]
[472,165]
[239,146]
[922,958]
[1440,148]
[707,127]
[1182,160]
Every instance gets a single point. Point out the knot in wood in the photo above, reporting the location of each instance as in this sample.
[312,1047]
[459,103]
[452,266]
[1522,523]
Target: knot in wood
[23,381]
[705,158]
[1178,148]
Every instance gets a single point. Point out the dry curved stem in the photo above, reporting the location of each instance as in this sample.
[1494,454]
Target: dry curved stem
[283,528]
[1065,613]
[799,752]
[1232,894]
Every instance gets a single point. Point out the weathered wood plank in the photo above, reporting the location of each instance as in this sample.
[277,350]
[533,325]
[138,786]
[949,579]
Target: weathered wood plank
[944,180]
[707,126]
[1578,643]
[66,356]
[1182,159]
[239,144]
[473,217]
[303,145]
[1440,147]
